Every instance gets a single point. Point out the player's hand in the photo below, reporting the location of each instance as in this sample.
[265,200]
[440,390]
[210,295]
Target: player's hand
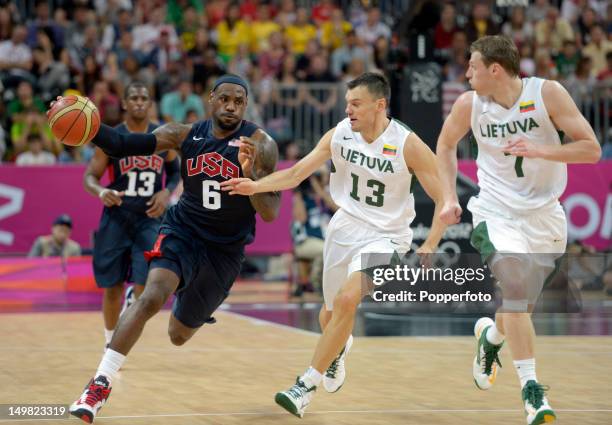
[522,147]
[158,203]
[426,253]
[239,186]
[111,197]
[246,156]
[451,213]
[53,102]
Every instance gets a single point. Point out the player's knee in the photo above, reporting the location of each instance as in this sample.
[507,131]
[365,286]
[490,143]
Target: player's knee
[150,303]
[177,338]
[345,302]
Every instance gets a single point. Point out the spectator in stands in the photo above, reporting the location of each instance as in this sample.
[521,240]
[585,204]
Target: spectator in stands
[163,53]
[271,59]
[586,22]
[580,85]
[597,49]
[567,59]
[174,105]
[606,74]
[147,35]
[90,47]
[75,32]
[343,55]
[456,65]
[209,68]
[215,10]
[15,56]
[286,15]
[6,23]
[445,29]
[231,32]
[52,77]
[304,60]
[537,11]
[300,32]
[44,22]
[312,209]
[480,23]
[90,73]
[355,69]
[35,155]
[188,28]
[201,43]
[334,30]
[527,64]
[108,103]
[177,9]
[373,27]
[241,63]
[114,31]
[58,243]
[322,12]
[544,65]
[518,28]
[552,31]
[262,29]
[27,114]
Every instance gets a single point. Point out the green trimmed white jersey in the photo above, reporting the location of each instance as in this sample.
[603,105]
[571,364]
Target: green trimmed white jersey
[512,182]
[371,181]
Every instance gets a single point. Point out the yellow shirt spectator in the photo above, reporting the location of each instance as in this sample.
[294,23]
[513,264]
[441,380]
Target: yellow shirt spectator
[333,34]
[260,32]
[299,36]
[228,39]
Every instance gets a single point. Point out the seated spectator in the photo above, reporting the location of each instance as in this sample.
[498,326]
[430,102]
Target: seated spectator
[6,23]
[567,59]
[43,22]
[552,31]
[231,32]
[105,100]
[114,31]
[586,22]
[300,32]
[174,105]
[271,59]
[312,209]
[163,53]
[373,27]
[35,155]
[443,33]
[597,49]
[480,23]
[322,12]
[350,50]
[334,31]
[52,77]
[262,29]
[15,57]
[209,68]
[581,84]
[518,28]
[536,12]
[58,243]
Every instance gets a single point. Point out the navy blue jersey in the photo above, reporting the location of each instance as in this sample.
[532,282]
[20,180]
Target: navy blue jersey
[205,210]
[139,176]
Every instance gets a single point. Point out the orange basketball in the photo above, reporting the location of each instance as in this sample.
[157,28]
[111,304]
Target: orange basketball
[74,120]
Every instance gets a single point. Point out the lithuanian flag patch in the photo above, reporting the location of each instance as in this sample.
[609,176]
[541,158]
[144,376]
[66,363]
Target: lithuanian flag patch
[527,106]
[389,149]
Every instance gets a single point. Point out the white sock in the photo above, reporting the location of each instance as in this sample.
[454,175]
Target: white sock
[494,336]
[110,364]
[108,335]
[312,377]
[526,370]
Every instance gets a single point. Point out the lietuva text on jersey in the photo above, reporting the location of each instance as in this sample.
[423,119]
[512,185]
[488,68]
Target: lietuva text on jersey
[138,176]
[204,209]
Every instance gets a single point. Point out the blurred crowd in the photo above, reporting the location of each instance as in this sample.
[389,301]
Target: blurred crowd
[178,47]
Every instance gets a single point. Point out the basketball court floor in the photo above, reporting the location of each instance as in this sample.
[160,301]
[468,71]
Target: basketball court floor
[229,372]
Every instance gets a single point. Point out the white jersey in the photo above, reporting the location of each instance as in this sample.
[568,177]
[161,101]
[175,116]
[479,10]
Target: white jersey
[371,181]
[512,182]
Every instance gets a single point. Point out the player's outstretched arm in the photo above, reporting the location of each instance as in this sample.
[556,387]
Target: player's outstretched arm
[284,179]
[565,115]
[118,145]
[422,162]
[456,125]
[258,157]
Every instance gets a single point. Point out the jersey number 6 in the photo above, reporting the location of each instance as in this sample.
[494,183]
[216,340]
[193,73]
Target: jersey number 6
[211,197]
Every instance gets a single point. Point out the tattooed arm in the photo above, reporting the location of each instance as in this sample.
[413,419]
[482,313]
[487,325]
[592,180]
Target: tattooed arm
[258,157]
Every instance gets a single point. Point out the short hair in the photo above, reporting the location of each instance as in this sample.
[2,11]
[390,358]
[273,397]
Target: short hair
[134,84]
[376,84]
[498,49]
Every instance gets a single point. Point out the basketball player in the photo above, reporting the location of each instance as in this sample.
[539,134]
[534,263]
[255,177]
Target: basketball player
[374,160]
[200,247]
[133,202]
[521,174]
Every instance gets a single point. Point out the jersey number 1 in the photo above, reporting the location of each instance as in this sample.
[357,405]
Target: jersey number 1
[378,191]
[518,165]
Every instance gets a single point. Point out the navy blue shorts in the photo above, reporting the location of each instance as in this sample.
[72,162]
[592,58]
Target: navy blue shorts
[207,271]
[119,246]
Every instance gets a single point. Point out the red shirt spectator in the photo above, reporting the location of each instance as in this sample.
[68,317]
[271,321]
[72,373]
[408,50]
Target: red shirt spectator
[322,11]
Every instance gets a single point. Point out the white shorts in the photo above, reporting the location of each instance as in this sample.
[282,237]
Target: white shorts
[347,239]
[499,233]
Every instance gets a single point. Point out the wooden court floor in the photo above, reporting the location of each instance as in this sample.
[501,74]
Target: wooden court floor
[229,373]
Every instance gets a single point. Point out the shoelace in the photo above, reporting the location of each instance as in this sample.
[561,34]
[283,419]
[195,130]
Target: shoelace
[332,369]
[95,393]
[298,390]
[534,394]
[490,356]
